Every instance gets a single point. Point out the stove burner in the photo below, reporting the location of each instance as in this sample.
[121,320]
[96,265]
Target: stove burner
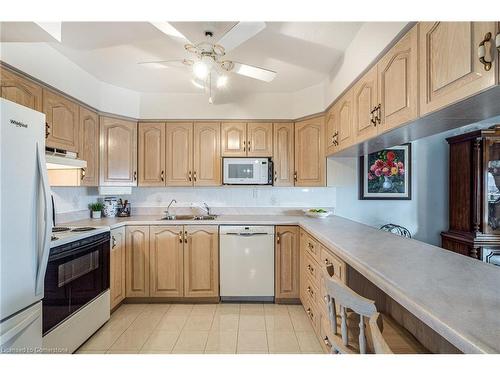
[59,229]
[82,229]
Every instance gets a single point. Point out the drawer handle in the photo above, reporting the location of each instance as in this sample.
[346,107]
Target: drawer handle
[113,242]
[309,290]
[310,246]
[47,130]
[310,269]
[326,340]
[327,262]
[481,52]
[310,313]
[83,174]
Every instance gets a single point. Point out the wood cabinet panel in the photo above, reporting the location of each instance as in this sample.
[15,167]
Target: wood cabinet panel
[345,110]
[260,139]
[62,117]
[287,262]
[283,154]
[449,67]
[234,138]
[365,98]
[310,159]
[89,146]
[332,130]
[151,154]
[207,154]
[117,267]
[179,152]
[137,261]
[166,261]
[19,90]
[118,152]
[201,261]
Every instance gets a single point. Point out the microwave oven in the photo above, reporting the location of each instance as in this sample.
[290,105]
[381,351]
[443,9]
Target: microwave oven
[247,171]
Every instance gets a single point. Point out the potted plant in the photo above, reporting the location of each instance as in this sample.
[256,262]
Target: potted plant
[96,209]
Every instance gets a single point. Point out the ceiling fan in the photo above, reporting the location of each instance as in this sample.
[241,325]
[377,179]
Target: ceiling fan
[209,66]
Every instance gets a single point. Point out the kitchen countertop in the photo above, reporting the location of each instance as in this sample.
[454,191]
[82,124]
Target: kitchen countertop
[455,295]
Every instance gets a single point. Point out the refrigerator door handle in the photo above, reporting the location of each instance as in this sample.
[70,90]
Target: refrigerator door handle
[14,331]
[43,259]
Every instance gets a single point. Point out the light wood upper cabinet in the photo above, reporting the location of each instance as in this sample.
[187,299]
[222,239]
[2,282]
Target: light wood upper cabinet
[310,162]
[234,138]
[117,266]
[207,158]
[260,139]
[118,152]
[398,83]
[344,112]
[151,154]
[287,262]
[19,90]
[332,131]
[62,117]
[89,146]
[365,97]
[137,261]
[450,69]
[166,261]
[179,151]
[283,154]
[201,261]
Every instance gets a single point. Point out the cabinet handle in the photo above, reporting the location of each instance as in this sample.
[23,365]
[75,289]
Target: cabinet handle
[162,175]
[278,238]
[83,174]
[309,290]
[185,236]
[327,341]
[497,42]
[135,175]
[481,51]
[310,269]
[189,176]
[180,236]
[327,262]
[375,115]
[275,175]
[310,313]
[295,176]
[194,176]
[244,148]
[310,246]
[47,130]
[113,242]
[249,148]
[379,113]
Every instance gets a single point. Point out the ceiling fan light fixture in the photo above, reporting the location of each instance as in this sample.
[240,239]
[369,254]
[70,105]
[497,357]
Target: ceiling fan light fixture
[222,81]
[200,70]
[198,84]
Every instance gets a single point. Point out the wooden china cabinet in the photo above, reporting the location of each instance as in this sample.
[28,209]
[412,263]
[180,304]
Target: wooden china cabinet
[474,200]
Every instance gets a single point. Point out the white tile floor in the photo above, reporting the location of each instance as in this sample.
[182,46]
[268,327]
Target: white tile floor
[211,329]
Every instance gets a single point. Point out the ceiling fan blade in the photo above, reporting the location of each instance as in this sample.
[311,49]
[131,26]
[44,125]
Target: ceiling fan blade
[175,63]
[240,33]
[168,29]
[255,72]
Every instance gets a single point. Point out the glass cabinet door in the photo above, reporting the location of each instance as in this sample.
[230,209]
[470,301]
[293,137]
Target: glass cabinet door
[492,185]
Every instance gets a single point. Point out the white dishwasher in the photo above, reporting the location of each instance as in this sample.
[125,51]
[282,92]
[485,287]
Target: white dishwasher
[247,263]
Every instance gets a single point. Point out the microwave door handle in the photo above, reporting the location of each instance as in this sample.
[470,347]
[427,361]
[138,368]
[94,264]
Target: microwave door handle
[44,256]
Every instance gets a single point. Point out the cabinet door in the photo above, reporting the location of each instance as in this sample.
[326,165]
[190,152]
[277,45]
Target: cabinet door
[344,110]
[287,262]
[207,159]
[310,159]
[234,138]
[201,261]
[449,67]
[179,154]
[117,266]
[137,261]
[89,146]
[398,82]
[283,154]
[332,131]
[166,261]
[118,152]
[260,139]
[365,100]
[151,154]
[19,90]
[63,125]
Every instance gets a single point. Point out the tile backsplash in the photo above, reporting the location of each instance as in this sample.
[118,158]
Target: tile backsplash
[150,200]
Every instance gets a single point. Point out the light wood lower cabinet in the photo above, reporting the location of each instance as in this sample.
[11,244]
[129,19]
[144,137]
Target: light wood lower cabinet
[137,261]
[19,90]
[151,154]
[287,262]
[117,267]
[166,246]
[310,162]
[89,146]
[201,261]
[283,154]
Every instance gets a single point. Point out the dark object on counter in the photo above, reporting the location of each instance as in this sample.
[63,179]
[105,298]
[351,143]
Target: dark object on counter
[396,229]
[474,195]
[123,208]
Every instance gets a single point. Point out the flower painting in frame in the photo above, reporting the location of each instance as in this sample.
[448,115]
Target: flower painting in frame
[386,174]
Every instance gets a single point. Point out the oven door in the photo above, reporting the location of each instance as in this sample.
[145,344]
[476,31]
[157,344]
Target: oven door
[74,277]
[245,171]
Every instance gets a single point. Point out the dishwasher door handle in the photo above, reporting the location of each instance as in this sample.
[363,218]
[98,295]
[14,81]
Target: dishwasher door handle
[246,234]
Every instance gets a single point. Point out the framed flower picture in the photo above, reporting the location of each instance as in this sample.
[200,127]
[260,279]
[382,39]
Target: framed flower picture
[386,174]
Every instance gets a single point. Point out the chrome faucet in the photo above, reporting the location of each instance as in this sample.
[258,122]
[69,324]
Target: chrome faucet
[207,208]
[168,207]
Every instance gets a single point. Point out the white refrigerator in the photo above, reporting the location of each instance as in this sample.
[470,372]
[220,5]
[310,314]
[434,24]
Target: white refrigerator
[26,227]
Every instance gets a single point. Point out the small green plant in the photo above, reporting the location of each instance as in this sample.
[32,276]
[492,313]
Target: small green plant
[97,206]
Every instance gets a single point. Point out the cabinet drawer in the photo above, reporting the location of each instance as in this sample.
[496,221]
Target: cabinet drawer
[332,265]
[313,314]
[311,290]
[311,246]
[325,333]
[311,268]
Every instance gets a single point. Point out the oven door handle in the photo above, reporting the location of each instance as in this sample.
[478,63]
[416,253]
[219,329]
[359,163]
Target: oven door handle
[44,256]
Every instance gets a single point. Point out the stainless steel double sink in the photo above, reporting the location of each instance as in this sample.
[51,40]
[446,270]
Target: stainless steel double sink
[189,217]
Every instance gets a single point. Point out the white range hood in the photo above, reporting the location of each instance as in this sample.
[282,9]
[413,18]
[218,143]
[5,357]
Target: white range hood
[64,161]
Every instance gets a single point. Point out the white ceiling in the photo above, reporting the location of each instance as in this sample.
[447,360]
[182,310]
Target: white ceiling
[302,53]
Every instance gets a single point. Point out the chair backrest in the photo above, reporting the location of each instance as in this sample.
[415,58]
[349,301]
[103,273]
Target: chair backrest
[343,297]
[379,344]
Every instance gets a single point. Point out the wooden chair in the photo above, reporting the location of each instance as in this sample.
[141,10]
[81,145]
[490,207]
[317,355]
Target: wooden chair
[382,331]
